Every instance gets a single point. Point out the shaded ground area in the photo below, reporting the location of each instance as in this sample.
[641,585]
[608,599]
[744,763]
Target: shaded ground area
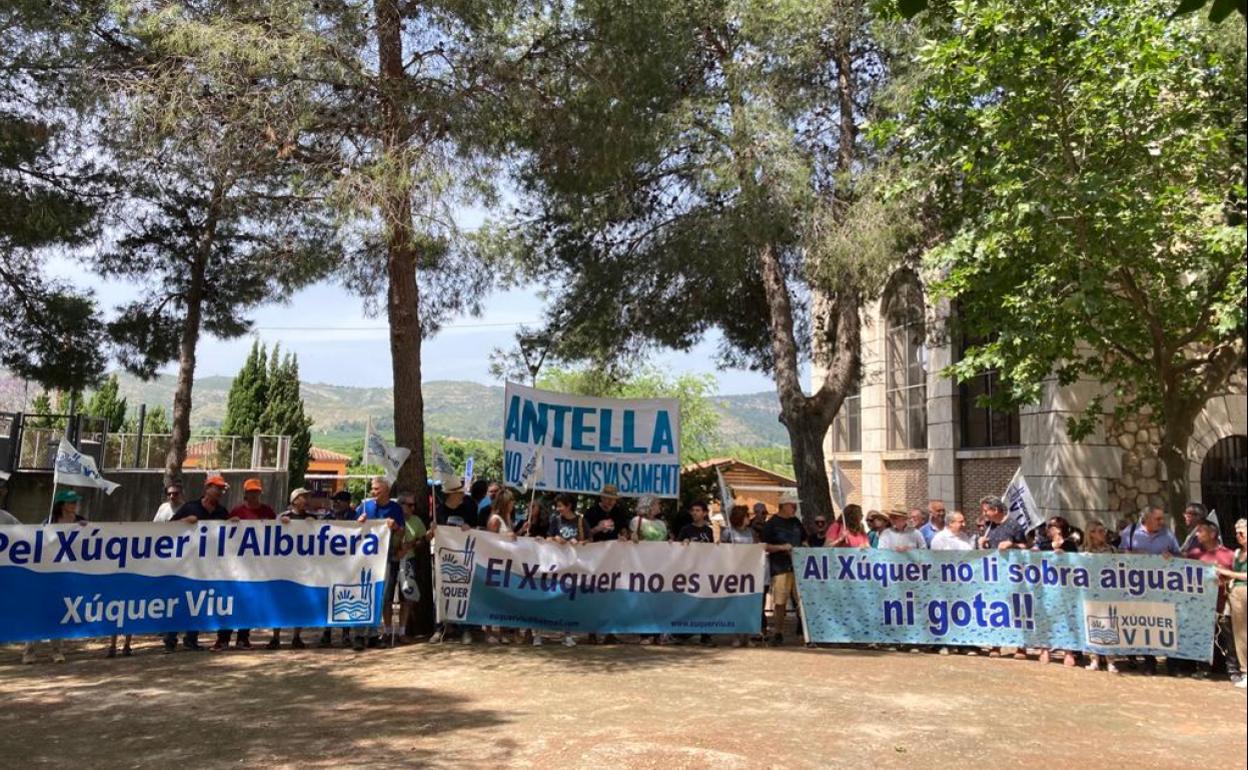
[590,707]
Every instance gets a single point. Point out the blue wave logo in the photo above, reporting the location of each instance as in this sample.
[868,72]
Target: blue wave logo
[352,602]
[454,565]
[1103,629]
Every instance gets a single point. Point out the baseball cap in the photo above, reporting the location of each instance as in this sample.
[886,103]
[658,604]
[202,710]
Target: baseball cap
[216,480]
[253,485]
[67,496]
[297,493]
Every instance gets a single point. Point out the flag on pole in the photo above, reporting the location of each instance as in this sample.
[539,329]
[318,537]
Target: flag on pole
[534,469]
[725,493]
[469,465]
[841,487]
[443,471]
[1021,505]
[75,469]
[376,452]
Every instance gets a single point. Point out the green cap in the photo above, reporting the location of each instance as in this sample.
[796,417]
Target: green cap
[67,496]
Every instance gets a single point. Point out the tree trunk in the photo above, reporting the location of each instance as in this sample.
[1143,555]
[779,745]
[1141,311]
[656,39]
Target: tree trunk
[403,296]
[1178,425]
[186,373]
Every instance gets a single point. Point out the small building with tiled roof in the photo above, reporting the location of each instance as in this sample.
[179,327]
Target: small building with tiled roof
[748,483]
[326,462]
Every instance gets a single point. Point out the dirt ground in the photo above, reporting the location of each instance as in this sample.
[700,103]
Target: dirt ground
[623,706]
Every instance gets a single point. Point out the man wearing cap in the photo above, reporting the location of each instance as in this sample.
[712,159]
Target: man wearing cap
[781,534]
[252,509]
[298,510]
[209,507]
[900,536]
[605,519]
[380,506]
[454,510]
[340,507]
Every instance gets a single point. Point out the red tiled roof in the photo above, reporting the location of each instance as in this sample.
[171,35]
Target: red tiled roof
[325,455]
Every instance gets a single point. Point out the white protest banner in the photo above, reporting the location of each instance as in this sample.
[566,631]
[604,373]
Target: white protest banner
[1021,505]
[443,470]
[376,452]
[65,580]
[841,486]
[485,578]
[591,442]
[75,469]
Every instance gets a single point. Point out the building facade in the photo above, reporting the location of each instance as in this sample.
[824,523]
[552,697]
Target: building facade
[910,435]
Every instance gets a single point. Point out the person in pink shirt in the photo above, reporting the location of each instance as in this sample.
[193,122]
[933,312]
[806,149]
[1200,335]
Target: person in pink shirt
[848,532]
[1209,549]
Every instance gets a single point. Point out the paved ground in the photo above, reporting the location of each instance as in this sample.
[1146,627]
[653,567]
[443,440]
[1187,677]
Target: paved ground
[594,707]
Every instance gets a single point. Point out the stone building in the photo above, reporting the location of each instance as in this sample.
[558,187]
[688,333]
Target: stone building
[910,435]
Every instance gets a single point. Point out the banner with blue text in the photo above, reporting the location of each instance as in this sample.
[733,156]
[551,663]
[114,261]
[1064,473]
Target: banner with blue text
[1110,604]
[588,443]
[68,580]
[613,587]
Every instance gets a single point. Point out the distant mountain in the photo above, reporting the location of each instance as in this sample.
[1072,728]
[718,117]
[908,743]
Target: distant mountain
[461,409]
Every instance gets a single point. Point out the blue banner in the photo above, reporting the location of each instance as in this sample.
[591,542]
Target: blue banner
[1110,604]
[100,579]
[613,587]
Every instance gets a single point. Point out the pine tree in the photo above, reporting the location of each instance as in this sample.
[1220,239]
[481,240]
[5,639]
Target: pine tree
[248,395]
[107,403]
[284,414]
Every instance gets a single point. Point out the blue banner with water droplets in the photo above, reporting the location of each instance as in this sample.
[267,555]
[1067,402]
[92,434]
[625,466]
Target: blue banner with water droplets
[1106,603]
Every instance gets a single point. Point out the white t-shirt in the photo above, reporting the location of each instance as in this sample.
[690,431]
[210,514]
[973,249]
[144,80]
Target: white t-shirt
[944,540]
[164,512]
[892,540]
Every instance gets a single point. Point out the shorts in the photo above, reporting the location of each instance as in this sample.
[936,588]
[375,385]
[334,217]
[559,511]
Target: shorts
[783,585]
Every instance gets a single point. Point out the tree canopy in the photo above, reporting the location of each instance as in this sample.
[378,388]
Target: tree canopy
[1092,202]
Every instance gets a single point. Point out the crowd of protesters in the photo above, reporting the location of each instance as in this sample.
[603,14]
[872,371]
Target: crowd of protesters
[489,506]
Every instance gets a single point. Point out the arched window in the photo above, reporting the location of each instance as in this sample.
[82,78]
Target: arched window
[905,363]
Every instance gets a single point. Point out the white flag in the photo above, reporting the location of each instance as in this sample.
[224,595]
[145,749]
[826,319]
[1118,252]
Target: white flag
[377,453]
[725,493]
[534,469]
[443,470]
[75,469]
[841,487]
[1021,505]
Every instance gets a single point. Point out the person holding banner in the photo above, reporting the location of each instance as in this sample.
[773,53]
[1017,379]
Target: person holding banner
[209,507]
[1237,599]
[738,532]
[173,501]
[953,535]
[380,506]
[605,519]
[900,536]
[1060,539]
[1098,542]
[646,525]
[876,523]
[416,615]
[454,510]
[781,534]
[567,527]
[499,522]
[1209,550]
[1002,532]
[64,511]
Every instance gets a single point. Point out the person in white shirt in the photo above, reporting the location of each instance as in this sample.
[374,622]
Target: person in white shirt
[899,536]
[954,536]
[173,501]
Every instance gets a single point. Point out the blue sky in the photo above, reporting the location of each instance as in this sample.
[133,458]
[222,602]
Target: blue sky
[337,344]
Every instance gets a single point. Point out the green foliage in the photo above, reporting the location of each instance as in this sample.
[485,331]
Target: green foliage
[155,422]
[107,403]
[50,199]
[1093,200]
[1219,10]
[699,420]
[667,147]
[248,395]
[284,413]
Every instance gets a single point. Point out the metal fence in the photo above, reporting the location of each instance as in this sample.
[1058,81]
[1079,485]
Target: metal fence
[147,451]
[29,442]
